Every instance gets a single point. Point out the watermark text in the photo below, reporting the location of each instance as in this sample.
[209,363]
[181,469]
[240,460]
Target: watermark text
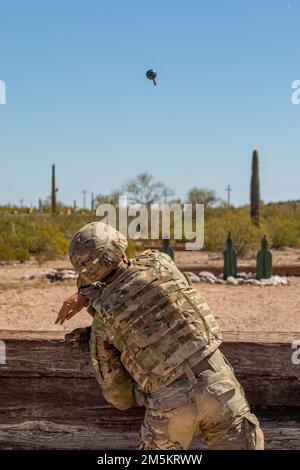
[2,92]
[142,222]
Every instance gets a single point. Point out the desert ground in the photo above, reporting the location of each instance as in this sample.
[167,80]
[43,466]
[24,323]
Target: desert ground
[33,304]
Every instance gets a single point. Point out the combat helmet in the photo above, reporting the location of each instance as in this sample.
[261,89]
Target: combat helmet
[96,250]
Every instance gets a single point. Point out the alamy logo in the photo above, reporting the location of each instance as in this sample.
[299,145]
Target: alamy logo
[2,352]
[296,353]
[2,92]
[295,98]
[139,221]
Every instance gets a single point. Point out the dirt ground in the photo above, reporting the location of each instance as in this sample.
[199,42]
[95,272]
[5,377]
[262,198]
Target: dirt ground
[286,256]
[33,304]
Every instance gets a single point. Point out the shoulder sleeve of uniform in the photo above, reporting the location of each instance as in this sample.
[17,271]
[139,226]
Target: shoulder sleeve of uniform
[189,281]
[166,256]
[155,254]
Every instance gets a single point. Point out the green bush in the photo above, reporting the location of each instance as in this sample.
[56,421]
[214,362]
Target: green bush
[47,237]
[245,234]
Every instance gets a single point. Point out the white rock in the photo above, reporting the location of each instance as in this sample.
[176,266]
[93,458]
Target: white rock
[54,275]
[277,280]
[193,277]
[220,281]
[253,282]
[66,276]
[207,274]
[242,275]
[250,276]
[240,280]
[208,280]
[232,281]
[38,275]
[281,280]
[274,281]
[268,282]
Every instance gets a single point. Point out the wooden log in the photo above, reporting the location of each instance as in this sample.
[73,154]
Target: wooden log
[49,397]
[45,434]
[262,362]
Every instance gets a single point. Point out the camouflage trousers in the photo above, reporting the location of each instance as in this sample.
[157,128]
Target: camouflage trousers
[214,406]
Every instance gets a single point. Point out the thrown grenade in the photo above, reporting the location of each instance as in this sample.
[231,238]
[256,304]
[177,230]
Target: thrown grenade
[151,75]
[264,261]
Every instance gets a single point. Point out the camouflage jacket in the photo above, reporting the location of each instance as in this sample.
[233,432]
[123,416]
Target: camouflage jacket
[148,324]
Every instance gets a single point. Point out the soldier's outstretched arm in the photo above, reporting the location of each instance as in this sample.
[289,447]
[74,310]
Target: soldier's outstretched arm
[72,305]
[115,382]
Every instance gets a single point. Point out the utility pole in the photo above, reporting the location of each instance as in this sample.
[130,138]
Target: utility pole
[92,201]
[84,198]
[54,190]
[74,205]
[165,194]
[21,202]
[228,189]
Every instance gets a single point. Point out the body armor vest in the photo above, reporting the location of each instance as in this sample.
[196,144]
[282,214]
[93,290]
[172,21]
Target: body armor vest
[157,321]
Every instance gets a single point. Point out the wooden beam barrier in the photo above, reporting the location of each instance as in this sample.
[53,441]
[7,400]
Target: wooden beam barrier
[49,397]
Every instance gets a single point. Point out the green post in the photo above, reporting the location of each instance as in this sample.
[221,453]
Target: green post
[264,261]
[166,248]
[230,268]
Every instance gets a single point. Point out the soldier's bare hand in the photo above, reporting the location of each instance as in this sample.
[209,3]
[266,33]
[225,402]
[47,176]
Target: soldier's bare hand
[70,307]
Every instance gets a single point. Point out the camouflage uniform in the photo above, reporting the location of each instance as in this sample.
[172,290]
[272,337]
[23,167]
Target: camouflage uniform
[155,341]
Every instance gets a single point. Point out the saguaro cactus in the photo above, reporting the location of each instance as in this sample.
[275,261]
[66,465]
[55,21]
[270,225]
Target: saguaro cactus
[230,265]
[254,190]
[264,261]
[166,248]
[54,190]
[40,205]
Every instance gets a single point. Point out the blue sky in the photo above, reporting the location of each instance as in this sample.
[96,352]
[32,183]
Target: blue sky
[77,95]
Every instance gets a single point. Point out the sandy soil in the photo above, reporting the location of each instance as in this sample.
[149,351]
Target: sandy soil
[33,304]
[286,256]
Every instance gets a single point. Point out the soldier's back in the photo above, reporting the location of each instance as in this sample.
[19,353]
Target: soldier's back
[157,321]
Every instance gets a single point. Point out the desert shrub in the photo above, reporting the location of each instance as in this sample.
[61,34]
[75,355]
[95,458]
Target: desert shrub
[131,249]
[6,252]
[31,236]
[21,254]
[47,237]
[284,232]
[245,234]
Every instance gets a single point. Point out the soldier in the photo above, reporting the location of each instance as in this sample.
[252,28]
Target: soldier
[155,342]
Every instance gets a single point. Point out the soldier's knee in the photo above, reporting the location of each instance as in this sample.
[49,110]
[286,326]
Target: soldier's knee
[156,444]
[121,401]
[156,437]
[246,435]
